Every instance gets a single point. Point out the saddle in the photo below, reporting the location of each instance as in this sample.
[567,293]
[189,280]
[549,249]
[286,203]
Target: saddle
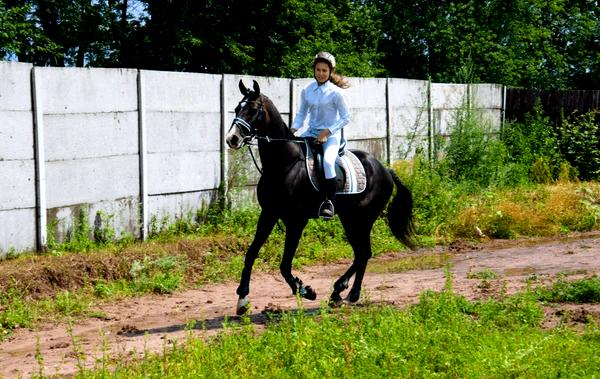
[350,173]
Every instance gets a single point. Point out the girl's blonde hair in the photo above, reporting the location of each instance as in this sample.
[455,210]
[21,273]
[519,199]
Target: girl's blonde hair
[339,80]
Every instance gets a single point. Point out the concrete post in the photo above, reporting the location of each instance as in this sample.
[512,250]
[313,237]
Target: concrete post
[143,151]
[40,160]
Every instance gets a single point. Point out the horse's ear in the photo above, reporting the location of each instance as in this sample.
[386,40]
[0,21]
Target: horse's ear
[243,88]
[256,87]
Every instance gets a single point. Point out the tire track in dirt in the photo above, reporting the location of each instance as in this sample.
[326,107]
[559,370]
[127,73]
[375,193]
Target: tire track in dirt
[153,323]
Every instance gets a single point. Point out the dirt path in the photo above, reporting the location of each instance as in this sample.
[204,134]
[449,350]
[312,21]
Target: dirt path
[151,323]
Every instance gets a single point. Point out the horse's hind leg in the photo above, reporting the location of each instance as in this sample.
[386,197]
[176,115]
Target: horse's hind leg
[293,233]
[266,222]
[342,284]
[359,237]
[361,266]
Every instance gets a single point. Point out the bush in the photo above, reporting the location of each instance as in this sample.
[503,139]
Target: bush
[580,144]
[533,145]
[474,153]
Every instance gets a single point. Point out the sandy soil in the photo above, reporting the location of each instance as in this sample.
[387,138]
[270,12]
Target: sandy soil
[153,323]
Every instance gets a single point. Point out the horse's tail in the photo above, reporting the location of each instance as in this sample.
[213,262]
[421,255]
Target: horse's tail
[400,213]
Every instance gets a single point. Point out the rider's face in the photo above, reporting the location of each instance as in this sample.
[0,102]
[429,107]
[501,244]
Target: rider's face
[322,72]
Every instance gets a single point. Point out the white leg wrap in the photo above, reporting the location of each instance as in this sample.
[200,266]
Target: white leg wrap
[243,305]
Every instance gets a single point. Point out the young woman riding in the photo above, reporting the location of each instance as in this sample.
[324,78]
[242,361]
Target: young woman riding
[329,113]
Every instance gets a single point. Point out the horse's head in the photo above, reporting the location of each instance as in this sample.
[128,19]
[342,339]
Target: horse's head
[249,118]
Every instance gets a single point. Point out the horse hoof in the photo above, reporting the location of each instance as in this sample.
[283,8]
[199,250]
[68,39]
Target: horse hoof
[309,293]
[353,297]
[243,306]
[335,301]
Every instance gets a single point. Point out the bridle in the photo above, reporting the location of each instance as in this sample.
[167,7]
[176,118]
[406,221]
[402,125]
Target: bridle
[247,129]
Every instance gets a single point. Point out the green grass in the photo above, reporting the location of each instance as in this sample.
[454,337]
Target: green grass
[444,335]
[585,290]
[485,274]
[416,262]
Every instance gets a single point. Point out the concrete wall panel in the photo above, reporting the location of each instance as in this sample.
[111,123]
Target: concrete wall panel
[183,123]
[448,96]
[17,230]
[446,102]
[170,132]
[183,172]
[88,90]
[120,216]
[182,92]
[277,89]
[15,86]
[408,93]
[175,206]
[16,135]
[17,184]
[80,181]
[486,96]
[91,145]
[90,135]
[17,165]
[487,100]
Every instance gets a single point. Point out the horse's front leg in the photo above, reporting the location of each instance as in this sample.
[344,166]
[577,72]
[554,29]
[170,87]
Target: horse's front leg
[293,233]
[266,222]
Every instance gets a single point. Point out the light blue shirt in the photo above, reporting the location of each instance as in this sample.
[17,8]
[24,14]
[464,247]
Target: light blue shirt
[326,106]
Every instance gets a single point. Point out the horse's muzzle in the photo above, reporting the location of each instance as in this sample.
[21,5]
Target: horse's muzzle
[233,141]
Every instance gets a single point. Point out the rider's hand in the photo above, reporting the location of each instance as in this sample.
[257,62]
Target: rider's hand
[293,130]
[322,138]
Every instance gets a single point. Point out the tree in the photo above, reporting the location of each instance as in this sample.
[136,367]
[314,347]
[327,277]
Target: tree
[20,38]
[550,44]
[259,36]
[529,43]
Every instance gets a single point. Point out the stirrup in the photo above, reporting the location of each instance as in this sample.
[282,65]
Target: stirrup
[326,211]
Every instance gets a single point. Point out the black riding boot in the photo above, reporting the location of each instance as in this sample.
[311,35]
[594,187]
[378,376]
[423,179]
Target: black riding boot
[329,188]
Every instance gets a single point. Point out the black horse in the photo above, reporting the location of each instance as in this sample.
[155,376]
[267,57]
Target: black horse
[285,193]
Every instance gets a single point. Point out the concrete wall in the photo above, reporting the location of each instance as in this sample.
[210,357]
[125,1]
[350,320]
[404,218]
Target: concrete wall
[147,146]
[409,117]
[488,101]
[17,165]
[182,116]
[90,139]
[368,106]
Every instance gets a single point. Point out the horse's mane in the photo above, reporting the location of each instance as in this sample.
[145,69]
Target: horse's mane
[274,113]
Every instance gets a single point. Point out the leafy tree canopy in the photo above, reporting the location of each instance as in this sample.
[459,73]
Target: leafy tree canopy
[551,44]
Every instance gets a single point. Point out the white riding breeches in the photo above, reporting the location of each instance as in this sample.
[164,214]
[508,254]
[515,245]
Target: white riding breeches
[330,153]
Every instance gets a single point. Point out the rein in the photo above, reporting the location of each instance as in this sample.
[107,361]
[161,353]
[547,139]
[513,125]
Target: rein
[248,142]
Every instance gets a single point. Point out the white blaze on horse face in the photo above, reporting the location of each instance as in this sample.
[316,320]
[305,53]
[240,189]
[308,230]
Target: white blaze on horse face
[234,137]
